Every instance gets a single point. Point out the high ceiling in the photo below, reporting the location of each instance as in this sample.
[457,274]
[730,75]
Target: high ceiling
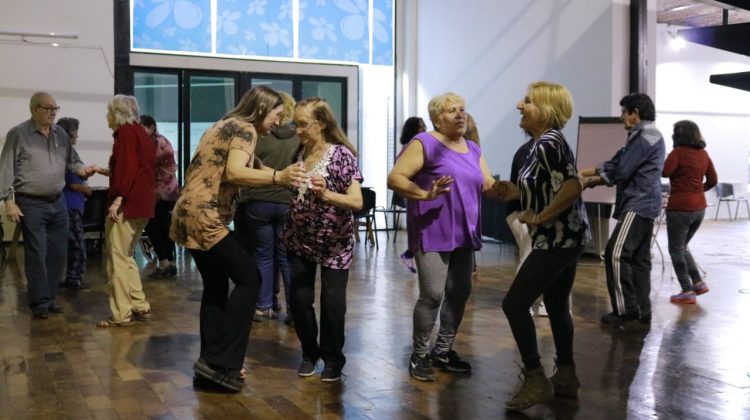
[700,13]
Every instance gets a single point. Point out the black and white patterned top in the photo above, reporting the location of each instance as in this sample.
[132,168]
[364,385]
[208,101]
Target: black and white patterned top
[548,165]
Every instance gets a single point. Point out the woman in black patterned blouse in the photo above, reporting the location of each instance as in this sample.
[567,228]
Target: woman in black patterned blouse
[549,190]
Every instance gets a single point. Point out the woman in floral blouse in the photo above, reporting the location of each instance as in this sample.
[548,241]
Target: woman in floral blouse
[319,232]
[550,193]
[223,161]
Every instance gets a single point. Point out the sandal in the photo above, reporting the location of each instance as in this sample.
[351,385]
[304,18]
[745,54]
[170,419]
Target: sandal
[143,315]
[109,322]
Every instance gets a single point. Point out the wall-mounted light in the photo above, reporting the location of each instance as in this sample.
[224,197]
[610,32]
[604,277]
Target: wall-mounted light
[24,35]
[676,42]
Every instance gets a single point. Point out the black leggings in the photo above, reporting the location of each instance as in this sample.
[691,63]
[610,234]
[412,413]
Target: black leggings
[550,273]
[225,321]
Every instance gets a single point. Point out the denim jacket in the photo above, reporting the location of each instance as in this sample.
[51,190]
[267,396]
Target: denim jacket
[636,170]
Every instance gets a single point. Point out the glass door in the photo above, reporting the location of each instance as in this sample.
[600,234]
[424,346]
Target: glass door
[210,97]
[158,95]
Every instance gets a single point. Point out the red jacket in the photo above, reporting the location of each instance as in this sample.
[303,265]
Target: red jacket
[132,173]
[686,168]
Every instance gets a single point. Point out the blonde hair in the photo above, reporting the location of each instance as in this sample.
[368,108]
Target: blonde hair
[124,110]
[288,113]
[554,101]
[472,132]
[255,105]
[321,111]
[438,103]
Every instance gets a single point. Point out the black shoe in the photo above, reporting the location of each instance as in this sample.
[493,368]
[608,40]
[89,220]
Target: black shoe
[169,271]
[76,285]
[42,313]
[420,368]
[55,308]
[450,361]
[276,307]
[306,368]
[330,374]
[612,319]
[228,378]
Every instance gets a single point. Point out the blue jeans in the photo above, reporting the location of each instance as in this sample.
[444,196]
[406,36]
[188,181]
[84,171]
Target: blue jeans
[45,245]
[681,226]
[265,222]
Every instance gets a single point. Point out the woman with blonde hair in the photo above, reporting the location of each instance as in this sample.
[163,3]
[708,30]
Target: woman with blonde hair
[444,176]
[263,211]
[550,193]
[320,232]
[224,160]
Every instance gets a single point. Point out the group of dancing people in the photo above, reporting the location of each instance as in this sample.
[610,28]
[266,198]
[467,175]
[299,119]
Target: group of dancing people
[297,178]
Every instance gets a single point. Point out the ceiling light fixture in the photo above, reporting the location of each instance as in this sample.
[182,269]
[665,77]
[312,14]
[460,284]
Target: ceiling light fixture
[676,42]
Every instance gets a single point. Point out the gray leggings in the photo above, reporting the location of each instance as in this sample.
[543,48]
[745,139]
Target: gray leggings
[444,286]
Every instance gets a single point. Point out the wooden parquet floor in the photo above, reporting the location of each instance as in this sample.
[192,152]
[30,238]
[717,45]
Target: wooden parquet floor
[691,364]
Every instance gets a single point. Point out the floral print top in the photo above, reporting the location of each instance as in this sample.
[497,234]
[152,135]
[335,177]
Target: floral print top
[205,208]
[550,163]
[320,231]
[167,188]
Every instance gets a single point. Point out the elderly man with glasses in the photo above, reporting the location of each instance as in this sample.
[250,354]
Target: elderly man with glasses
[32,177]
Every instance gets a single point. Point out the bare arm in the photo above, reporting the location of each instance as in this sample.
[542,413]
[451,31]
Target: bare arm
[569,192]
[351,199]
[406,168]
[237,172]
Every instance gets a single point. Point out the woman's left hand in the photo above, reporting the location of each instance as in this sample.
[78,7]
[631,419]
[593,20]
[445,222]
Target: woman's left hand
[114,209]
[529,217]
[318,185]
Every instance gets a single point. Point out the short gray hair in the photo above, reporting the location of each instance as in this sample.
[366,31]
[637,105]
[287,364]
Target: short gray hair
[36,100]
[124,109]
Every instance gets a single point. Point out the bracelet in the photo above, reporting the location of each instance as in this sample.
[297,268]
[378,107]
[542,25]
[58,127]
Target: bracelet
[273,178]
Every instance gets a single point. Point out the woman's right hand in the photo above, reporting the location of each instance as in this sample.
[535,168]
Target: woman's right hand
[439,186]
[293,175]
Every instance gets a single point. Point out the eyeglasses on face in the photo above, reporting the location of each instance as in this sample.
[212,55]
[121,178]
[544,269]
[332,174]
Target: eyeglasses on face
[50,108]
[304,125]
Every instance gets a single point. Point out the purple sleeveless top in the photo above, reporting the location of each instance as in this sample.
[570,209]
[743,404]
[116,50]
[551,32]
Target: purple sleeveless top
[452,220]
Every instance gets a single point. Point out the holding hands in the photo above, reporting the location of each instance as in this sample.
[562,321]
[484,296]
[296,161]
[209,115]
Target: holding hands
[293,175]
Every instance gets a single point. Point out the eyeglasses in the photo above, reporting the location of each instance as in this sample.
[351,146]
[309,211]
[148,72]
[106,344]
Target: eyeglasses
[304,125]
[50,108]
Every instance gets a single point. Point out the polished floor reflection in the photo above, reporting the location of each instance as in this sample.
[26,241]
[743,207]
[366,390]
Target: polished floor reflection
[692,363]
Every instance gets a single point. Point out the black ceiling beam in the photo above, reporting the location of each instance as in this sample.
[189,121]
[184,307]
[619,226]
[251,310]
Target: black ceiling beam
[732,38]
[732,80]
[740,4]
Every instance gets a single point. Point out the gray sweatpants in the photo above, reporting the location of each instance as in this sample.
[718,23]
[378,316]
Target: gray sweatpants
[444,286]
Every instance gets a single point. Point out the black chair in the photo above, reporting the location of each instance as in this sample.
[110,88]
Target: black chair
[725,194]
[396,209]
[94,214]
[366,217]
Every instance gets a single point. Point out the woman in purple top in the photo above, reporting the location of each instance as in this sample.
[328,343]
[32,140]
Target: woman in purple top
[319,232]
[444,176]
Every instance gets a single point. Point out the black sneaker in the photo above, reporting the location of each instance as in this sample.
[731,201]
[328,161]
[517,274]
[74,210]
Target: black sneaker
[612,319]
[450,361]
[306,368]
[420,368]
[330,374]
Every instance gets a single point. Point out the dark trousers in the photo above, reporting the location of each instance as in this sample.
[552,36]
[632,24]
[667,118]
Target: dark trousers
[627,260]
[225,321]
[157,230]
[265,222]
[548,272]
[45,245]
[681,226]
[332,310]
[76,248]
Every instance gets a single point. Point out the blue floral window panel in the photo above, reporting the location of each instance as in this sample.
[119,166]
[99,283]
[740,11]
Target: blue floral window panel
[382,32]
[255,27]
[334,30]
[172,25]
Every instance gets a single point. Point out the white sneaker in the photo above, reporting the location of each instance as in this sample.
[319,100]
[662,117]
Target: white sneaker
[541,311]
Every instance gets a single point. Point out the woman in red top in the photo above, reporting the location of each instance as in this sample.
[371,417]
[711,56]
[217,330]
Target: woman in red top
[132,184]
[690,173]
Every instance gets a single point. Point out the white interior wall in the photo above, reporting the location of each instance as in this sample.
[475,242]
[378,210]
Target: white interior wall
[683,91]
[490,52]
[79,73]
